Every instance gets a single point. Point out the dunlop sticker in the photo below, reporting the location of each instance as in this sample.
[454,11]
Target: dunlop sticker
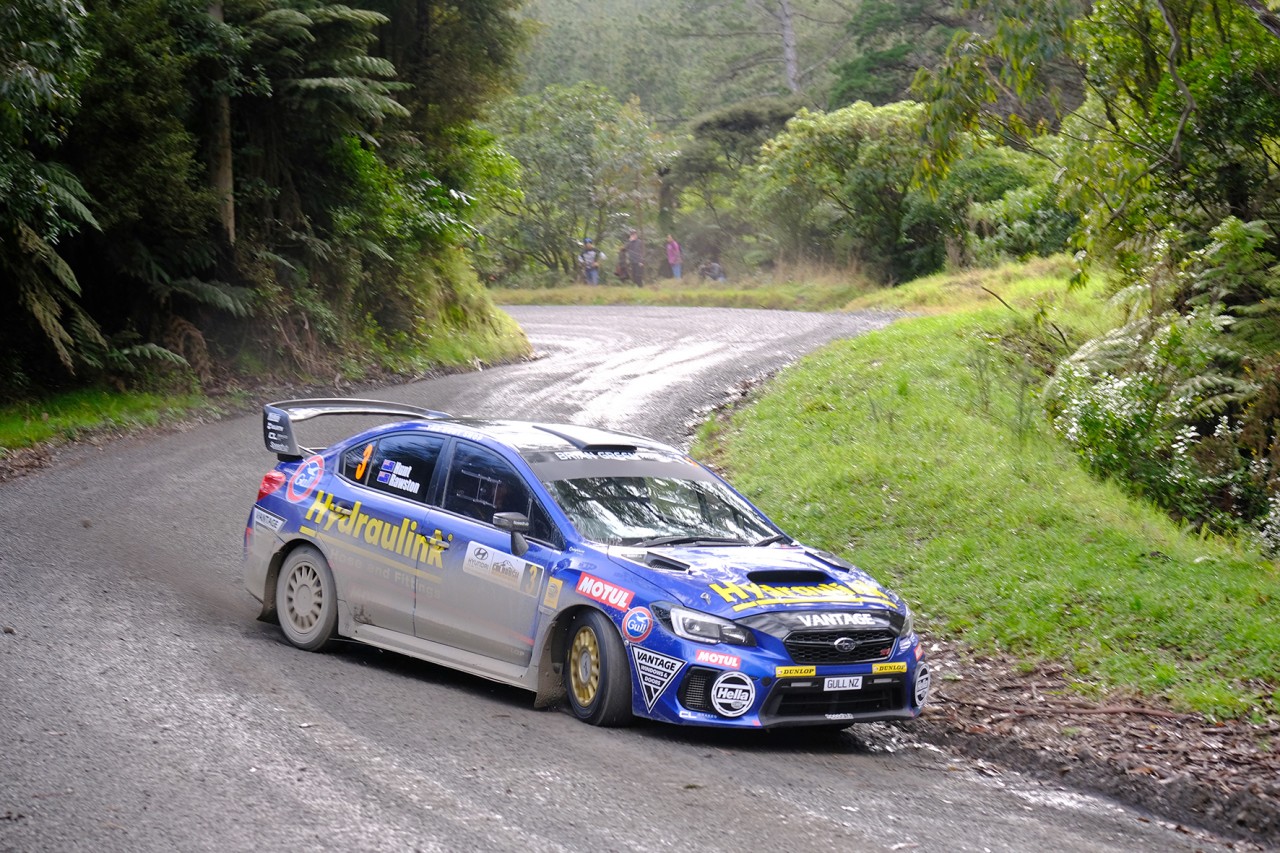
[794,671]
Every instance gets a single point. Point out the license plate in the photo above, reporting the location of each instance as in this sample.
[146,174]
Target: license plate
[850,682]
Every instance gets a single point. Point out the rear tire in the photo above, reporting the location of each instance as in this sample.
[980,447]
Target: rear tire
[597,673]
[306,599]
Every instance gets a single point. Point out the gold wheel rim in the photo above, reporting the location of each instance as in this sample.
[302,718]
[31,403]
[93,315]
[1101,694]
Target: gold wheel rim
[584,667]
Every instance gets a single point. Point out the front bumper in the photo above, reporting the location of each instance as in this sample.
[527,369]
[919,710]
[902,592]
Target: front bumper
[761,690]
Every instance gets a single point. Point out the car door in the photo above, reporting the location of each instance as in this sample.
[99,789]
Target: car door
[378,526]
[489,596]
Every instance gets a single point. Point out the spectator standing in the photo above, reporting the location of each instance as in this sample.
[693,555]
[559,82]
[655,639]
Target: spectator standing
[590,260]
[633,256]
[674,258]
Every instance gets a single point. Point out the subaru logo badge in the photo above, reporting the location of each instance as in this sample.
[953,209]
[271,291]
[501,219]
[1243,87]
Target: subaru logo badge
[846,644]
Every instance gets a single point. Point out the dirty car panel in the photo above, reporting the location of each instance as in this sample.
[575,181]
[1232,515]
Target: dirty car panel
[592,566]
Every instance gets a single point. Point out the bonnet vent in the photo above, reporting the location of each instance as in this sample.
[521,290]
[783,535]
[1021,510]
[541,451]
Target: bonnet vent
[657,561]
[789,576]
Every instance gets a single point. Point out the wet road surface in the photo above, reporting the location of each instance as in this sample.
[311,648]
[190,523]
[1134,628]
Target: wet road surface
[143,708]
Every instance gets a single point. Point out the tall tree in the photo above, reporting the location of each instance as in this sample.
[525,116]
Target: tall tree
[137,146]
[894,39]
[42,67]
[589,164]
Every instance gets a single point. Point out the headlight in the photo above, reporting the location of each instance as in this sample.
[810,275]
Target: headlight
[701,627]
[908,622]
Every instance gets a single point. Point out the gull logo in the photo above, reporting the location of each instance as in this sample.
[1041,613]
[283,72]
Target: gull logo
[637,624]
[304,479]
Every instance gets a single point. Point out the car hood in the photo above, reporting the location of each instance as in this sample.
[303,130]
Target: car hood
[736,582]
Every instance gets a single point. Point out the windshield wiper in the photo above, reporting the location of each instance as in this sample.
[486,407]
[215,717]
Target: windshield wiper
[769,540]
[688,540]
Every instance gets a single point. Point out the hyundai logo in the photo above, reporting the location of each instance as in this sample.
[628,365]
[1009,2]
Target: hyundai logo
[846,644]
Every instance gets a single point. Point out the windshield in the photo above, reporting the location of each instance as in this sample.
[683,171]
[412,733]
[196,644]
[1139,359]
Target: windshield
[658,510]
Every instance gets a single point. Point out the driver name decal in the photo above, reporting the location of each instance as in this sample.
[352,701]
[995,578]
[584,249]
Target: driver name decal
[655,672]
[396,475]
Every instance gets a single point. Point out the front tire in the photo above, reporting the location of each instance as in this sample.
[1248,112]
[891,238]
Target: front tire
[596,672]
[306,599]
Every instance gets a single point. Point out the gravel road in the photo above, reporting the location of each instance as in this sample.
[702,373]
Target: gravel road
[142,707]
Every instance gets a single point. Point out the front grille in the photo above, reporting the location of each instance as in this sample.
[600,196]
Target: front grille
[810,700]
[820,646]
[695,691]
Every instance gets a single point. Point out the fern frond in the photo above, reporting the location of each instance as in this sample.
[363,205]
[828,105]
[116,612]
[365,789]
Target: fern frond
[237,301]
[68,193]
[126,358]
[1218,394]
[338,13]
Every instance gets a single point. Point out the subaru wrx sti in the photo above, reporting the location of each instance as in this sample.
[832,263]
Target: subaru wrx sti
[594,567]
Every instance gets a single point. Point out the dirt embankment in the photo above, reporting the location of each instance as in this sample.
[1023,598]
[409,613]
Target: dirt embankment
[1222,776]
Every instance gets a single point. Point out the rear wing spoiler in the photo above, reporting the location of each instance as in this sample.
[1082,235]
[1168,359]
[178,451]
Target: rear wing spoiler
[278,419]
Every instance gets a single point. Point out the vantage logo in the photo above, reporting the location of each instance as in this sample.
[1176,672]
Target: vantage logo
[835,620]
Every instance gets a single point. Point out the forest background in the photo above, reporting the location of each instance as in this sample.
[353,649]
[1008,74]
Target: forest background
[191,195]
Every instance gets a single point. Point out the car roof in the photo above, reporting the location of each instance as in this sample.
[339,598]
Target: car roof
[530,438]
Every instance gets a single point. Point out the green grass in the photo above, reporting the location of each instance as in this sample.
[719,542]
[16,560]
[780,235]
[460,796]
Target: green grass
[894,450]
[79,414]
[795,290]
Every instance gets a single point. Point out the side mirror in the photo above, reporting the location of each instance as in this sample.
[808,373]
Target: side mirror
[518,524]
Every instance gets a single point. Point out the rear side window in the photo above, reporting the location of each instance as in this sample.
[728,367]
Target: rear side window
[400,465]
[481,484]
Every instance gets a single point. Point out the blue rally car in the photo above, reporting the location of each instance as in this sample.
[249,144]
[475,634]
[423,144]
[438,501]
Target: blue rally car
[580,564]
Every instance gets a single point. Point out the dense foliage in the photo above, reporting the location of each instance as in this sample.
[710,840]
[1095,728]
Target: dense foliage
[589,168]
[1140,134]
[290,182]
[251,184]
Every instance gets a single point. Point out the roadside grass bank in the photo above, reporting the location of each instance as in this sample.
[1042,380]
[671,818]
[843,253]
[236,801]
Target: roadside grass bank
[79,414]
[76,415]
[919,452]
[799,289]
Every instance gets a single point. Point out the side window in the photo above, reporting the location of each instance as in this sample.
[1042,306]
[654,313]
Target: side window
[481,483]
[400,465]
[355,462]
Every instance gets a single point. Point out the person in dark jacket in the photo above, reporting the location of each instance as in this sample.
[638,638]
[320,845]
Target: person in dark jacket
[633,258]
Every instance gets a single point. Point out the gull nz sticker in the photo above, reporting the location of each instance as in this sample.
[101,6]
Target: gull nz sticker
[732,694]
[748,595]
[501,568]
[637,623]
[305,479]
[655,672]
[604,592]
